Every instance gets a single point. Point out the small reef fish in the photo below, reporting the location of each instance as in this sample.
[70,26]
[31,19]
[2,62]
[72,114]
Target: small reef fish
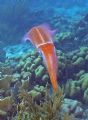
[41,37]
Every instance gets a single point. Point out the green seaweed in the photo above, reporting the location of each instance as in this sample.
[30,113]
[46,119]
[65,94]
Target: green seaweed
[50,109]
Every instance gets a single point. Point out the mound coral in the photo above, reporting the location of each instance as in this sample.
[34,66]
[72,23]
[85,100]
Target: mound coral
[78,87]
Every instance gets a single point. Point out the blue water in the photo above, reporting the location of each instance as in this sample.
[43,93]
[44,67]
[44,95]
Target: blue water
[18,16]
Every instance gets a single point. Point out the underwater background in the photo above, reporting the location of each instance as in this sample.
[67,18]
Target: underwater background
[26,92]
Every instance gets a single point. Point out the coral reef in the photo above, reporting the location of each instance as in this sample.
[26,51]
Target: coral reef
[75,88]
[26,72]
[23,76]
[30,75]
[76,36]
[30,67]
[30,70]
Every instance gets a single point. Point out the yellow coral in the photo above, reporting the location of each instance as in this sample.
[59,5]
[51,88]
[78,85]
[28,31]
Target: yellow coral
[67,117]
[5,82]
[6,103]
[2,113]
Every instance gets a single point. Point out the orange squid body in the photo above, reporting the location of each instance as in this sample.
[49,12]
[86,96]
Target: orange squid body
[40,36]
